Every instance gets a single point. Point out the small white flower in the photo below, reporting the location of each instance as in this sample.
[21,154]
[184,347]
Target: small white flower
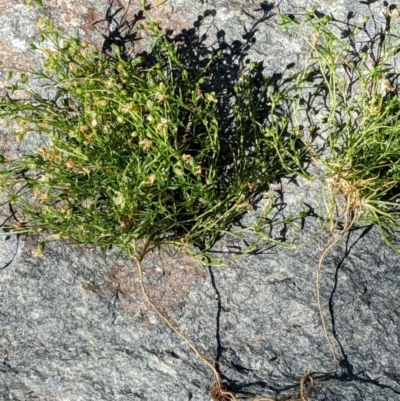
[160,97]
[187,158]
[163,123]
[73,67]
[151,178]
[119,200]
[146,144]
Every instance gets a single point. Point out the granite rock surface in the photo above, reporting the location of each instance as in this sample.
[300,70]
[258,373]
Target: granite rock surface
[75,327]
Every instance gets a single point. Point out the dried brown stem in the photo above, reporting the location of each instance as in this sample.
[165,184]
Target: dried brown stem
[218,391]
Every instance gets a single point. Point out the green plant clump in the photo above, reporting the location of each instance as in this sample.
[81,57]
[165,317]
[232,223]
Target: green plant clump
[354,72]
[133,148]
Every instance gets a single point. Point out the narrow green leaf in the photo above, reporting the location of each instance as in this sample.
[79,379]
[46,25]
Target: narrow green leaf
[158,2]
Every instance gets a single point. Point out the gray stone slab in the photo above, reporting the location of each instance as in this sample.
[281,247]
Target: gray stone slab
[76,327]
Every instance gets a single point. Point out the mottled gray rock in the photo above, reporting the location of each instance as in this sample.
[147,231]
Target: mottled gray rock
[76,327]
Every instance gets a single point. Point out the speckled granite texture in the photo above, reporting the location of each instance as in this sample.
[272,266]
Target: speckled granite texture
[76,328]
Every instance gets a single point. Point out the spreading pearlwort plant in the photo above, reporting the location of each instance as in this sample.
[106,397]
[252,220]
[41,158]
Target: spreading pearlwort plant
[133,148]
[356,74]
[354,77]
